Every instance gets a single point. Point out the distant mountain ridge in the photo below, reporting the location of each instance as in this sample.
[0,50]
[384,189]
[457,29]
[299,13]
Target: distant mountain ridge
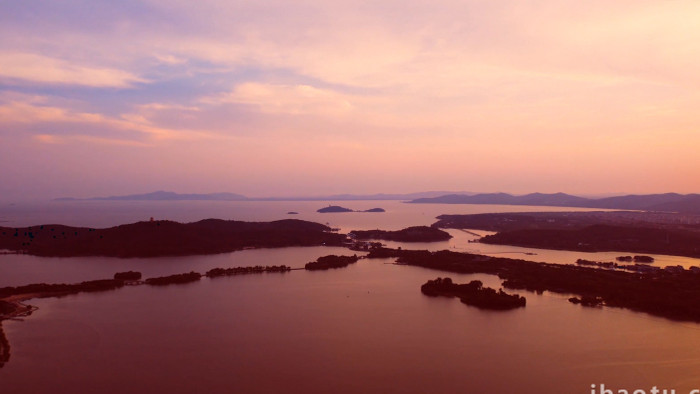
[667,202]
[353,197]
[172,196]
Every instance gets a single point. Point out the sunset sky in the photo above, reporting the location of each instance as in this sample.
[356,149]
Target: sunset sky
[314,97]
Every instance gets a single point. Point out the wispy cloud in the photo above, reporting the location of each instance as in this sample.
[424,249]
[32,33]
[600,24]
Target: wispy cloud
[34,110]
[127,129]
[38,69]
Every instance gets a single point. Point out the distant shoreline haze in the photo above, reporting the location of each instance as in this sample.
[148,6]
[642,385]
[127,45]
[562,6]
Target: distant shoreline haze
[666,202]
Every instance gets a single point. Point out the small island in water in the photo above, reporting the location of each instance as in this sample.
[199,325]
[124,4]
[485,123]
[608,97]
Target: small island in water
[333,209]
[331,261]
[474,294]
[338,209]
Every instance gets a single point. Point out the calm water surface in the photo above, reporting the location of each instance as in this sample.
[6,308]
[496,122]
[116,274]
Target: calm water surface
[363,329]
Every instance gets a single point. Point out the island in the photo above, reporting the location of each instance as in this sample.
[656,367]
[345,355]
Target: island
[672,292]
[333,209]
[165,238]
[587,301]
[337,209]
[636,259]
[409,234]
[474,294]
[331,261]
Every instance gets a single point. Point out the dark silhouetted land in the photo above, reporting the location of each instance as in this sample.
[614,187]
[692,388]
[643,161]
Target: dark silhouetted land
[177,279]
[165,238]
[598,238]
[672,293]
[338,209]
[474,294]
[410,234]
[638,232]
[11,298]
[4,345]
[569,220]
[128,276]
[331,261]
[334,209]
[258,269]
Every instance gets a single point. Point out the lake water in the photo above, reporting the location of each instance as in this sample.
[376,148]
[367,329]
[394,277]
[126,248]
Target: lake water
[362,329]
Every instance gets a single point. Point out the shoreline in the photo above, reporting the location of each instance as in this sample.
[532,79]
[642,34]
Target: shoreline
[21,309]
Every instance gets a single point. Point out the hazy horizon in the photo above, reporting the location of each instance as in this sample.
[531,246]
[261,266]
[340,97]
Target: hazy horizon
[282,98]
[308,197]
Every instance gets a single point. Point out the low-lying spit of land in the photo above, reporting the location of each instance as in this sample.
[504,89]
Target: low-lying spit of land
[12,298]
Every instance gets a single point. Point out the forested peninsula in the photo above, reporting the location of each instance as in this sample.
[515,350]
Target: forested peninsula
[164,238]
